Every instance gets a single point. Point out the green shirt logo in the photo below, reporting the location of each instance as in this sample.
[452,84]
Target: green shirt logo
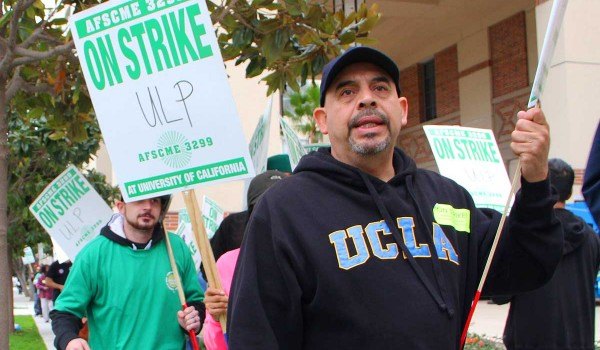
[170,281]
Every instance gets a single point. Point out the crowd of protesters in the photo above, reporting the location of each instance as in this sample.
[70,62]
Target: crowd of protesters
[350,251]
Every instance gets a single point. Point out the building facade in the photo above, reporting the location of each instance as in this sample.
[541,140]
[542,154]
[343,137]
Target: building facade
[472,63]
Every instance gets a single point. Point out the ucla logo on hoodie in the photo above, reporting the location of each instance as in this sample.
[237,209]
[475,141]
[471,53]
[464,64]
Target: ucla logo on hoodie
[371,236]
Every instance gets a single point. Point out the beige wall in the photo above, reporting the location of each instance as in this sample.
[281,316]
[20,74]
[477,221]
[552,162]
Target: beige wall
[101,162]
[476,88]
[572,90]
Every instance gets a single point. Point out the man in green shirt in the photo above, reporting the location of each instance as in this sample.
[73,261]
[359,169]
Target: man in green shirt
[123,283]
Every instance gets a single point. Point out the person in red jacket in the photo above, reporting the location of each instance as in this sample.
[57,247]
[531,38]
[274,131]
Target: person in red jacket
[46,293]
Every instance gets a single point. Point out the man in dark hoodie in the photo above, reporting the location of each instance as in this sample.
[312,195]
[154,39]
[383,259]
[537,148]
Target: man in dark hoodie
[123,283]
[560,315]
[362,250]
[230,233]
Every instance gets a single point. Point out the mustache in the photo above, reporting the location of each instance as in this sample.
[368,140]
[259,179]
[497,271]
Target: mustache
[368,112]
[146,215]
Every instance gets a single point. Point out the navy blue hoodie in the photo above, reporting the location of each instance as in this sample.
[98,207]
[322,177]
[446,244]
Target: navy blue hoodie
[334,258]
[560,315]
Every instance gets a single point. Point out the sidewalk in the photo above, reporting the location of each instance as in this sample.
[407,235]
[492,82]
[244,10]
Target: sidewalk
[22,306]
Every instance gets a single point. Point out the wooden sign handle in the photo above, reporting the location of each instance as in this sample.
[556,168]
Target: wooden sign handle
[182,300]
[208,258]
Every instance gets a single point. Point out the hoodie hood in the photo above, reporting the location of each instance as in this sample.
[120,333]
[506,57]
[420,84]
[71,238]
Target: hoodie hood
[323,162]
[114,231]
[575,229]
[405,168]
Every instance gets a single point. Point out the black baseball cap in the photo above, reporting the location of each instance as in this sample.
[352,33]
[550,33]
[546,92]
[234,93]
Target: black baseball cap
[355,55]
[261,183]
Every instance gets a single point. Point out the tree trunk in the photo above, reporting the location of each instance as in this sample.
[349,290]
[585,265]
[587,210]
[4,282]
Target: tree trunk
[6,288]
[11,299]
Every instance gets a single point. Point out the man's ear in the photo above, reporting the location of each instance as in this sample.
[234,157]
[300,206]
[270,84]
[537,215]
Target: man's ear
[320,115]
[404,106]
[120,206]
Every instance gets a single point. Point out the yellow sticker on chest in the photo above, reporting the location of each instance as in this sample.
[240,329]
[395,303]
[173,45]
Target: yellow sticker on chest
[445,214]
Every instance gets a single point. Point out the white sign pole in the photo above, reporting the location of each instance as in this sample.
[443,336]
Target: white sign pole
[557,14]
[556,18]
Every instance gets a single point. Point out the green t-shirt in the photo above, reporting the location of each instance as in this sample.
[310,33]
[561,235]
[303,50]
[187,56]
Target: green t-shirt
[129,296]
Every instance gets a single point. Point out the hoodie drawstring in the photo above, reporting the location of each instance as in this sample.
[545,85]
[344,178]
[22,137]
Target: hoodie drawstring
[439,275]
[438,297]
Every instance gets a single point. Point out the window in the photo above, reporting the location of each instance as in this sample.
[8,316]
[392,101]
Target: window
[428,79]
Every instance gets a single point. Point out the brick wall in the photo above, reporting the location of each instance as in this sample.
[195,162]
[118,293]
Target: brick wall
[579,176]
[414,142]
[446,81]
[171,221]
[508,46]
[410,83]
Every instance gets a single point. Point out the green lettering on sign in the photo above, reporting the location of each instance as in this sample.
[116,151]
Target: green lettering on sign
[187,177]
[145,46]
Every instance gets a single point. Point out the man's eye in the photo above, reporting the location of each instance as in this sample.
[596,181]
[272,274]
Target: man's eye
[346,92]
[381,88]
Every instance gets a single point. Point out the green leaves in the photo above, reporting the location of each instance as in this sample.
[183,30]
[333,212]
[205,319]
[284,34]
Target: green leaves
[35,113]
[302,104]
[293,39]
[256,66]
[274,45]
[6,18]
[50,123]
[242,37]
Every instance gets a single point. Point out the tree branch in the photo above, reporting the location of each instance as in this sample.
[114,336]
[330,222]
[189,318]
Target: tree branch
[39,31]
[9,55]
[32,38]
[14,85]
[33,56]
[17,84]
[18,10]
[225,10]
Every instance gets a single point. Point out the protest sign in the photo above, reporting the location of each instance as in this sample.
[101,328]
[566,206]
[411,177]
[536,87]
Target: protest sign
[259,143]
[315,146]
[71,211]
[184,230]
[212,215]
[471,157]
[259,146]
[295,147]
[28,257]
[158,84]
[57,252]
